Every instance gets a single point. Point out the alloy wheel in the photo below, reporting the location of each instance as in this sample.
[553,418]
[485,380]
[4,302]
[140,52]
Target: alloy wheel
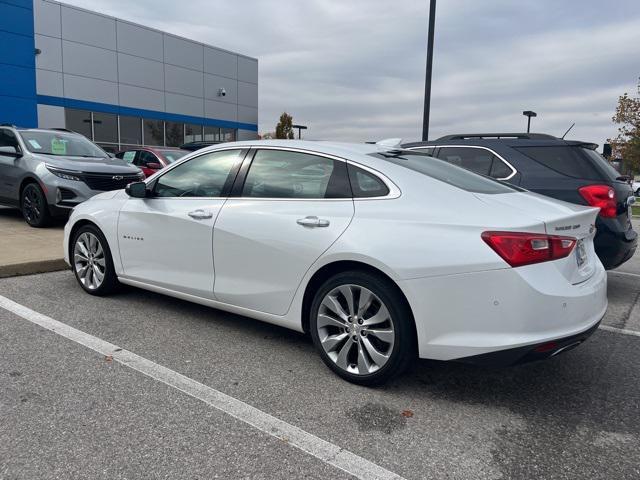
[33,205]
[355,329]
[89,260]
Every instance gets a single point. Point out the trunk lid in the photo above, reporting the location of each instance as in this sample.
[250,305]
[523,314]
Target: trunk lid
[560,218]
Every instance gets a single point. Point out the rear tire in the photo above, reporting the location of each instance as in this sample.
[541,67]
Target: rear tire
[33,205]
[91,261]
[366,339]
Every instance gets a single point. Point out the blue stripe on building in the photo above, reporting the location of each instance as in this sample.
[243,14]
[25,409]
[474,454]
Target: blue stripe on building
[18,104]
[138,112]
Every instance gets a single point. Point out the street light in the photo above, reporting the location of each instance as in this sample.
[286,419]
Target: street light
[529,114]
[427,80]
[300,128]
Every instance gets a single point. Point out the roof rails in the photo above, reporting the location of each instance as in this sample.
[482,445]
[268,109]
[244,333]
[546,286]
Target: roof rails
[60,129]
[520,136]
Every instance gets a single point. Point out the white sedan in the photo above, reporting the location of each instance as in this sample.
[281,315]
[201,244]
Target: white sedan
[382,255]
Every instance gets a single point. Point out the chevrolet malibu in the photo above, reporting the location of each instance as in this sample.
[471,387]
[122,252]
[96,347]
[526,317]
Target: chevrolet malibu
[382,255]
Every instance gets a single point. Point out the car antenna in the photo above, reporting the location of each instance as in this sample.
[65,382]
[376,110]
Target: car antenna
[565,133]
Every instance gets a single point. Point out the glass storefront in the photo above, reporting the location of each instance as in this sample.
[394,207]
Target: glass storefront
[114,132]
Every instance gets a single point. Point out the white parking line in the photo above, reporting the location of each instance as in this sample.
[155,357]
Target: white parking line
[628,274]
[623,331]
[292,435]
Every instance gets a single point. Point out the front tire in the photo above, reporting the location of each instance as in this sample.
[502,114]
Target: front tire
[91,261]
[362,327]
[33,205]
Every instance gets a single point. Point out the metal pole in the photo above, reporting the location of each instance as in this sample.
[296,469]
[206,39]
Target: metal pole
[427,81]
[528,124]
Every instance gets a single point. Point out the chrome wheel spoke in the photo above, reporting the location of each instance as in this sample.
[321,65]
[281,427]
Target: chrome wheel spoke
[97,273]
[327,321]
[79,257]
[331,303]
[99,261]
[333,341]
[381,316]
[364,366]
[342,359]
[364,302]
[347,293]
[377,357]
[385,335]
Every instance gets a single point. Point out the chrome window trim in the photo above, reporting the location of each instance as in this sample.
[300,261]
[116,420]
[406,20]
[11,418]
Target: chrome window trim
[508,177]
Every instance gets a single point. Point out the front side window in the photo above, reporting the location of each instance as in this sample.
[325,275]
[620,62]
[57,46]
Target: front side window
[60,144]
[144,158]
[8,139]
[284,174]
[205,176]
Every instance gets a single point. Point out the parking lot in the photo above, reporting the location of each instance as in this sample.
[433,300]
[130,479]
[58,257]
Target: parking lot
[210,394]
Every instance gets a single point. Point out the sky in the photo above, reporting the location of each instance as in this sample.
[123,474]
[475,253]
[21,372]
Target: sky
[354,70]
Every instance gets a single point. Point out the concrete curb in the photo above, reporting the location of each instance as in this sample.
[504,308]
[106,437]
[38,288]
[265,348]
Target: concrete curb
[29,268]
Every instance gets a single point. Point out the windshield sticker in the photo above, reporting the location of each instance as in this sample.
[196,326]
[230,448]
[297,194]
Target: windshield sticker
[58,146]
[128,156]
[35,144]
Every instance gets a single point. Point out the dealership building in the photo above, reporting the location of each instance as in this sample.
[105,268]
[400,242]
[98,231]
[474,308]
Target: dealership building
[117,82]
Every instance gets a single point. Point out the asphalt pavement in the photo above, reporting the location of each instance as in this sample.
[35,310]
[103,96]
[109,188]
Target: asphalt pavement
[67,411]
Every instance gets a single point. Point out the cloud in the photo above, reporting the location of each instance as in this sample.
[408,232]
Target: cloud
[355,70]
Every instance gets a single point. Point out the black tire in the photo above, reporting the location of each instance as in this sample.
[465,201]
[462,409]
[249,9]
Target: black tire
[33,205]
[110,280]
[403,351]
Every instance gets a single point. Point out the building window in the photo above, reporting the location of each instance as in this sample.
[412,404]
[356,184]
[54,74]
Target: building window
[79,121]
[153,132]
[192,133]
[131,130]
[211,134]
[105,127]
[227,134]
[174,133]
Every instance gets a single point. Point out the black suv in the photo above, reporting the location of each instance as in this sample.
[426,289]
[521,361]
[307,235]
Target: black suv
[564,169]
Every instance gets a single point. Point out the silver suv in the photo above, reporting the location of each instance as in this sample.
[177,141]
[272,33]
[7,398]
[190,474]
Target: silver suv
[47,172]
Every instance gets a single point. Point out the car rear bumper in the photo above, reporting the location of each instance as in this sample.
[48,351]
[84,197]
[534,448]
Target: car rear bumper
[614,247]
[460,316]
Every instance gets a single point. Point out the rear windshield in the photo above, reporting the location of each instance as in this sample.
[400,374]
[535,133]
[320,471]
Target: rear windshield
[173,155]
[572,161]
[445,172]
[61,144]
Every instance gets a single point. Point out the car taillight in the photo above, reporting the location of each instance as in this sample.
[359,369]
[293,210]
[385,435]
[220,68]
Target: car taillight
[601,196]
[518,249]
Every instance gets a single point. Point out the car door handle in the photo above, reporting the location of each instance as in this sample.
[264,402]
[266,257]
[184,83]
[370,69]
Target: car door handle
[313,222]
[200,214]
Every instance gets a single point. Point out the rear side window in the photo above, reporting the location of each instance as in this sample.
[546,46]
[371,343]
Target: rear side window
[475,159]
[427,150]
[285,174]
[365,184]
[564,159]
[445,172]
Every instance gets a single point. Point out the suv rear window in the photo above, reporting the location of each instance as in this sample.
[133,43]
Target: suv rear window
[572,161]
[445,172]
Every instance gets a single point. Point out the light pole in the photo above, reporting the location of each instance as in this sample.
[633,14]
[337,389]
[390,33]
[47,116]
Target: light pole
[427,80]
[529,114]
[300,128]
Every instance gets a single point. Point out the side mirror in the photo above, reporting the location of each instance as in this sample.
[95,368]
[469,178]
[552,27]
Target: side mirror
[136,190]
[153,165]
[9,151]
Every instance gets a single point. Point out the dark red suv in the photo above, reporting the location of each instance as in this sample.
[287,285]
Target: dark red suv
[151,159]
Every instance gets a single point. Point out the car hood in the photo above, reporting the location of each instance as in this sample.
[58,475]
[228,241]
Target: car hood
[90,165]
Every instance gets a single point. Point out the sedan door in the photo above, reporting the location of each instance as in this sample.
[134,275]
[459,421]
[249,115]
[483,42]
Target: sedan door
[291,207]
[166,239]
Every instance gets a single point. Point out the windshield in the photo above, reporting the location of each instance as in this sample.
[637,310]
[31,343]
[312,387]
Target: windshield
[173,155]
[60,144]
[445,172]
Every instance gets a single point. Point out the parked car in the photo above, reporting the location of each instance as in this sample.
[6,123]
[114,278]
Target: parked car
[151,159]
[46,173]
[564,169]
[636,187]
[382,255]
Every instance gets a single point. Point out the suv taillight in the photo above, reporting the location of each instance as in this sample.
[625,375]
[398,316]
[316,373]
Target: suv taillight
[518,249]
[601,196]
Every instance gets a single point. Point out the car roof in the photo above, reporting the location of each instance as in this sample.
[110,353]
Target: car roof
[499,139]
